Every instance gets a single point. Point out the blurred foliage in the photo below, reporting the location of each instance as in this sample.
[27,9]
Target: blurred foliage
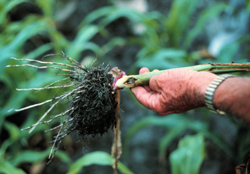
[188,157]
[175,124]
[166,41]
[247,4]
[38,29]
[99,158]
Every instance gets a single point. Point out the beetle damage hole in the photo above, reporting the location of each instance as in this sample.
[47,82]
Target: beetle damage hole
[130,81]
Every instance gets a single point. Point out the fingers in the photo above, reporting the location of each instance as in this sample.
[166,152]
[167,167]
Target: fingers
[141,93]
[141,90]
[155,83]
[143,70]
[146,70]
[146,87]
[144,97]
[151,100]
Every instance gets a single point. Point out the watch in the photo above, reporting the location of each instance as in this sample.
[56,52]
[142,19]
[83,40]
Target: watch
[209,94]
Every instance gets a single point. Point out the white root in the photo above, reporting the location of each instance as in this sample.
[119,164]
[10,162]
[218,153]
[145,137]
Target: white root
[39,89]
[46,113]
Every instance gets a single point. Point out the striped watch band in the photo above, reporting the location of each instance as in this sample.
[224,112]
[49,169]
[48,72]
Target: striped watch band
[209,94]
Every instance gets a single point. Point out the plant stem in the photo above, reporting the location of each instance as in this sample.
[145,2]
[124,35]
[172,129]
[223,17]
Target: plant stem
[116,149]
[217,68]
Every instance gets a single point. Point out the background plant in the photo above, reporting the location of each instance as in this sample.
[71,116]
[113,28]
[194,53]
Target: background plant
[174,38]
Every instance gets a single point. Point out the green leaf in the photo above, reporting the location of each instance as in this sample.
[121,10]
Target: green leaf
[11,49]
[7,7]
[4,146]
[16,100]
[170,121]
[63,156]
[30,156]
[8,168]
[35,157]
[84,35]
[208,14]
[247,4]
[46,6]
[110,14]
[118,12]
[13,130]
[104,11]
[31,30]
[220,142]
[163,59]
[92,47]
[189,155]
[39,51]
[117,41]
[228,52]
[168,138]
[179,18]
[99,158]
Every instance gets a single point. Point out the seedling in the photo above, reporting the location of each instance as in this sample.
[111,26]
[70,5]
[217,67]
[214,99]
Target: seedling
[93,97]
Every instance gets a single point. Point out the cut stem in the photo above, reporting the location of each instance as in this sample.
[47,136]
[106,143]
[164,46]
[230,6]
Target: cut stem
[217,68]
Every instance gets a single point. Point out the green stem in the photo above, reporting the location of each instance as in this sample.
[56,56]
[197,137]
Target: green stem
[143,79]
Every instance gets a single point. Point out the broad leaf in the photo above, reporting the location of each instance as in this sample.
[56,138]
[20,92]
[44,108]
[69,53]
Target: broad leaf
[99,158]
[189,155]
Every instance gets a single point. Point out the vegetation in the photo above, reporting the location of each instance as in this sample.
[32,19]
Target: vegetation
[169,38]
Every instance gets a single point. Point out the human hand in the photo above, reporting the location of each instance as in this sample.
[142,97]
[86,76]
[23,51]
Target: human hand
[174,91]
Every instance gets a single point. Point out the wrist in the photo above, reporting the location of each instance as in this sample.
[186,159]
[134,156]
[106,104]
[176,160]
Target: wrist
[198,85]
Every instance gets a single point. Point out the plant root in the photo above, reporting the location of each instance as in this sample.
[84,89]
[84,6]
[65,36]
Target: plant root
[88,92]
[116,150]
[244,166]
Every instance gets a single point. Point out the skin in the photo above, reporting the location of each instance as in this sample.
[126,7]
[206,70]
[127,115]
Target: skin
[177,91]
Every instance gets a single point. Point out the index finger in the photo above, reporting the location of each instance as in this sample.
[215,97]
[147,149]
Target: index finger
[148,99]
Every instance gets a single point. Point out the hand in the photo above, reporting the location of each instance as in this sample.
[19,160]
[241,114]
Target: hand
[174,91]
